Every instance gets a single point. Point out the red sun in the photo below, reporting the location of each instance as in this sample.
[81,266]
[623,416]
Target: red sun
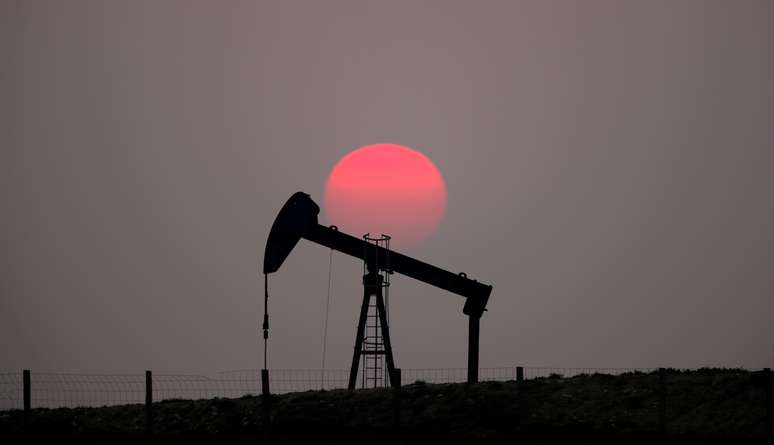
[386,189]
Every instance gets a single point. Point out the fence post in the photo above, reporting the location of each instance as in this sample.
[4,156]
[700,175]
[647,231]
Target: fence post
[27,390]
[522,400]
[265,382]
[662,399]
[769,401]
[266,432]
[148,402]
[395,379]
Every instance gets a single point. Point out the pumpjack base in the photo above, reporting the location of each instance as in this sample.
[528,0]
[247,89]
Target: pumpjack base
[372,288]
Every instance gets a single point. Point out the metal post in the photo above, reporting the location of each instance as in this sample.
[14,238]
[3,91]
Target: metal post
[473,330]
[385,334]
[521,405]
[769,401]
[662,399]
[148,402]
[266,406]
[265,382]
[27,390]
[370,282]
[395,380]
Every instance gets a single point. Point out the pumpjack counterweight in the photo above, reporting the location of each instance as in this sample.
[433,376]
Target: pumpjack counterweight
[298,219]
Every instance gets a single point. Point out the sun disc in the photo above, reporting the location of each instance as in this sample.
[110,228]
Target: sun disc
[386,189]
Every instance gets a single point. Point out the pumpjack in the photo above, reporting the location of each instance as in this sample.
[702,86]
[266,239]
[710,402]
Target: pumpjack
[298,219]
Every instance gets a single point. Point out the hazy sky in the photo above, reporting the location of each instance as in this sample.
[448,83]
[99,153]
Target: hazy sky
[610,168]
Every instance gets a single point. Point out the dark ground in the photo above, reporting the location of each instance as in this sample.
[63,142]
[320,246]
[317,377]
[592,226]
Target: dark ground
[704,406]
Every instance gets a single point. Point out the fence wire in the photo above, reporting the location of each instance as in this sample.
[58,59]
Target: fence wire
[54,390]
[11,388]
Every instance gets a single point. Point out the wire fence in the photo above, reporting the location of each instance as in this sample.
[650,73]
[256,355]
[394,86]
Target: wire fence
[54,390]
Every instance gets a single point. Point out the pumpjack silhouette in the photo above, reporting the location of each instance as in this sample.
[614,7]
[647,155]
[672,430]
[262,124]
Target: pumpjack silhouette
[298,219]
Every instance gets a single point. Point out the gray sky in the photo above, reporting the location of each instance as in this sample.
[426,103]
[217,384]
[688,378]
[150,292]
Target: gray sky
[609,168]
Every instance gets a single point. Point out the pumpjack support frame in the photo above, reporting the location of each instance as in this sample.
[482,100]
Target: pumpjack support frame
[372,288]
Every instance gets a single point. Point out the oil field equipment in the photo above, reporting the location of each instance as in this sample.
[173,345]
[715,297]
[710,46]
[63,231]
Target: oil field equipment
[298,219]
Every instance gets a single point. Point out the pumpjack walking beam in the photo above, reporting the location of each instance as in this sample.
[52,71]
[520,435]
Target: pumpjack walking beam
[298,219]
